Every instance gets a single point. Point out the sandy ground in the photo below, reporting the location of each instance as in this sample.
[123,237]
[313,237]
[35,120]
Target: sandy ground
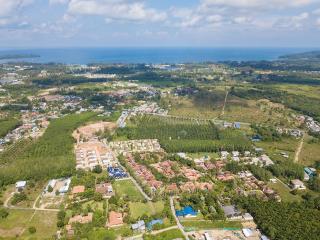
[90,130]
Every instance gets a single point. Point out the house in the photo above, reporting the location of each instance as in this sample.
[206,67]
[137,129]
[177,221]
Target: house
[105,189]
[138,226]
[247,232]
[237,125]
[256,138]
[310,172]
[231,212]
[247,217]
[186,212]
[266,160]
[296,184]
[78,189]
[154,222]
[115,219]
[224,154]
[52,183]
[65,188]
[21,185]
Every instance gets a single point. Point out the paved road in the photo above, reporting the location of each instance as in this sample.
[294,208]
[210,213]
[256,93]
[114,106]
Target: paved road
[153,233]
[177,219]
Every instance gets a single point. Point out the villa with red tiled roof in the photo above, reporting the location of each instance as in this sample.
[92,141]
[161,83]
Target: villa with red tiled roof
[115,219]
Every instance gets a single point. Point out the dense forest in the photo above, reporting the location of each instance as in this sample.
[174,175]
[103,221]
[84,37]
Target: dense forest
[284,221]
[186,137]
[49,156]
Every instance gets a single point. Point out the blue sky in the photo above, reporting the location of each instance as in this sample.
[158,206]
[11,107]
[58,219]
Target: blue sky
[197,23]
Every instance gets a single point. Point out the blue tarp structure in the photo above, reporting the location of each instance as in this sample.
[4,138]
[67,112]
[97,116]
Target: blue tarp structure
[115,172]
[154,222]
[186,211]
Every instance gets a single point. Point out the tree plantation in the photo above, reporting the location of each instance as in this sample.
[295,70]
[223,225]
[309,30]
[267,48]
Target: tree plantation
[49,156]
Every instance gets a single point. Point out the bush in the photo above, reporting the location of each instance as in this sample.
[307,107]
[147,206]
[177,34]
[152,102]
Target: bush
[97,169]
[32,230]
[19,197]
[4,213]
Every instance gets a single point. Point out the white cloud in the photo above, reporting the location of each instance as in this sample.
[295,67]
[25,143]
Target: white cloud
[9,7]
[52,2]
[116,10]
[214,18]
[258,3]
[318,22]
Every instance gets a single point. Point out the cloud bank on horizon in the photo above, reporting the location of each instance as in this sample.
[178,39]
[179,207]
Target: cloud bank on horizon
[54,23]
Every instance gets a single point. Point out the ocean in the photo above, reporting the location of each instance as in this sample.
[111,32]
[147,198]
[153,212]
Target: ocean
[148,55]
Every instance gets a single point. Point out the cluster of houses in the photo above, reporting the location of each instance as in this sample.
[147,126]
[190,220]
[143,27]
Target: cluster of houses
[166,168]
[146,108]
[144,174]
[92,153]
[11,78]
[312,125]
[263,160]
[297,133]
[33,125]
[144,145]
[55,186]
[104,188]
[252,185]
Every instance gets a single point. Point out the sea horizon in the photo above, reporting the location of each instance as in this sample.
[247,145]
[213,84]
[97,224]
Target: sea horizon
[149,55]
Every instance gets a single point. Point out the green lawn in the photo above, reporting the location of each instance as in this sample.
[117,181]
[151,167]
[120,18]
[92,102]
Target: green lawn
[310,152]
[206,224]
[94,205]
[274,149]
[167,235]
[284,192]
[127,188]
[45,224]
[16,218]
[138,209]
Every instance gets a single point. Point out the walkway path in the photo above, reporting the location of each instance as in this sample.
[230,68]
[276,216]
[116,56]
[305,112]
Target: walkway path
[297,155]
[137,185]
[225,102]
[177,219]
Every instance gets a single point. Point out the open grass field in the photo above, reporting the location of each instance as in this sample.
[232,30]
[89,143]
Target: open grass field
[45,224]
[16,218]
[127,188]
[14,224]
[304,90]
[310,153]
[284,192]
[205,224]
[186,107]
[167,235]
[137,209]
[274,149]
